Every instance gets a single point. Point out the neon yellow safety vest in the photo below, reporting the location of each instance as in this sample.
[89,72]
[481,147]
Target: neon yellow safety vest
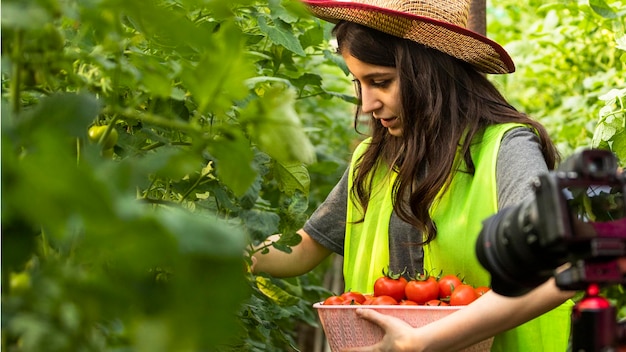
[459,220]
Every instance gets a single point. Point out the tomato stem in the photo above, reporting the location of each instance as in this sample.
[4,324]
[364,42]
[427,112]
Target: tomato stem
[107,132]
[194,186]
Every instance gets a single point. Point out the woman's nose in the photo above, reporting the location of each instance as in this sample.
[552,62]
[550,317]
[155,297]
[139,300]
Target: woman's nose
[369,101]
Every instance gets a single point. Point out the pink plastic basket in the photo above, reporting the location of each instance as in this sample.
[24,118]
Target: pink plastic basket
[343,328]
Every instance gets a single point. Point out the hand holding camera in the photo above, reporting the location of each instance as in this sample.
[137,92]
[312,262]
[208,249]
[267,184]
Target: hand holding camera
[577,219]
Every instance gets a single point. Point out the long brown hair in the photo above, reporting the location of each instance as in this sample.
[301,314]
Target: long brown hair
[445,104]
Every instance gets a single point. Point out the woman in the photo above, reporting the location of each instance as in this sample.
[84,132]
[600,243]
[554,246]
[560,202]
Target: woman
[446,151]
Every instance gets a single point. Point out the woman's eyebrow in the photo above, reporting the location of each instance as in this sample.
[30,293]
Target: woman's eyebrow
[374,75]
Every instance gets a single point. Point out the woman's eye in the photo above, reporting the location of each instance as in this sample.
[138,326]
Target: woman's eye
[380,84]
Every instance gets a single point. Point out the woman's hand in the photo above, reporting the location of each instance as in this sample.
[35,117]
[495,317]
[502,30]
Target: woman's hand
[399,335]
[303,257]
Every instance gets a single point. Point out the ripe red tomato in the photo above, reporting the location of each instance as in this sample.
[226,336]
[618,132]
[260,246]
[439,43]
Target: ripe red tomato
[333,300]
[481,290]
[463,295]
[353,296]
[407,302]
[390,285]
[383,300]
[447,283]
[422,290]
[436,302]
[368,299]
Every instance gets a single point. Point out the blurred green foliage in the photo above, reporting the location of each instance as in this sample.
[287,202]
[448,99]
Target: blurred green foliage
[571,68]
[141,246]
[234,120]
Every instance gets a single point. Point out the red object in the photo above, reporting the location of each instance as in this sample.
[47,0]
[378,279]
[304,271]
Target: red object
[390,286]
[422,291]
[463,295]
[353,296]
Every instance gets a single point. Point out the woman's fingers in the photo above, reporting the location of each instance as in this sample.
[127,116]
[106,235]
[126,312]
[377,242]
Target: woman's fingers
[391,325]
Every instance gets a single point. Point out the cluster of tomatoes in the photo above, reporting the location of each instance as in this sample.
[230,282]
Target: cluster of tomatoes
[427,290]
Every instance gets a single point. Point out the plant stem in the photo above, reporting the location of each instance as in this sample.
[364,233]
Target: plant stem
[191,188]
[16,72]
[153,119]
[77,151]
[45,246]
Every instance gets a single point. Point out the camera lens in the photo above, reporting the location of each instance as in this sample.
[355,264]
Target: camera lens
[508,247]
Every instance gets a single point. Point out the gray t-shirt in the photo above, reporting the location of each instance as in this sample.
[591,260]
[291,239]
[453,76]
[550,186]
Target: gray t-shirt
[519,161]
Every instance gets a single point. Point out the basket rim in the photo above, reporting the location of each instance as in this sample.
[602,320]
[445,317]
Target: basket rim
[320,305]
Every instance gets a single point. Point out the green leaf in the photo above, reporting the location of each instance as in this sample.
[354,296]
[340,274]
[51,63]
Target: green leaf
[203,234]
[313,37]
[292,177]
[155,75]
[170,162]
[279,11]
[307,79]
[67,113]
[281,34]
[167,26]
[618,146]
[217,80]
[275,126]
[260,223]
[289,239]
[602,8]
[275,293]
[233,163]
[24,15]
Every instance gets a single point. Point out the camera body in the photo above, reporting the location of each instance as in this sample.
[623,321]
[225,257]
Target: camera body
[577,216]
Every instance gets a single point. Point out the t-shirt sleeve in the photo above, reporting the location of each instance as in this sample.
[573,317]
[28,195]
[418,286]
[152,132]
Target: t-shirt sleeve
[519,162]
[327,224]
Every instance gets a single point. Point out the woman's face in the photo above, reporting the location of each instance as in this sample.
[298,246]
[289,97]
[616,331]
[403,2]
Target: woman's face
[379,92]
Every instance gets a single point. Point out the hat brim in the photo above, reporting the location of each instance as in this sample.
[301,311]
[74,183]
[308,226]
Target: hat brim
[484,54]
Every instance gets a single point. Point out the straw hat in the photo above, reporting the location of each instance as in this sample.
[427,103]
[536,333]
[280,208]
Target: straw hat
[439,24]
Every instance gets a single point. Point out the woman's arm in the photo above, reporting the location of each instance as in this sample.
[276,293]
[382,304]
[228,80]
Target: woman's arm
[324,234]
[487,316]
[305,256]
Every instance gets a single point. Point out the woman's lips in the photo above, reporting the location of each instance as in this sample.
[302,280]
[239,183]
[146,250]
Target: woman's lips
[389,122]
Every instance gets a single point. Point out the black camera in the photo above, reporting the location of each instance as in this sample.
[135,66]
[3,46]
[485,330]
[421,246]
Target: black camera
[577,216]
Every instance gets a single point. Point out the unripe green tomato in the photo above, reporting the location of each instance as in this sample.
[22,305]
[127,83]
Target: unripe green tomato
[95,133]
[20,282]
[108,153]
